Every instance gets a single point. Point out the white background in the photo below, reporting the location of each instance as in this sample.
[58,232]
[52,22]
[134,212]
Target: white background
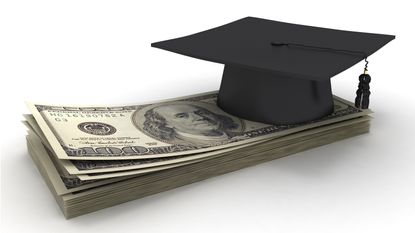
[98,52]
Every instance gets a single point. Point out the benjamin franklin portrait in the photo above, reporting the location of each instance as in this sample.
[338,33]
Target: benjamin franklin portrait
[188,123]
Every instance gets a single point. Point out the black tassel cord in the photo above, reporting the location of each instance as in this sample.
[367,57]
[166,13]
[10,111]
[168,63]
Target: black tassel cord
[363,91]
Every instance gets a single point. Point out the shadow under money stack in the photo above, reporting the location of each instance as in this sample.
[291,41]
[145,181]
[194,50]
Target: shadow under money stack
[95,157]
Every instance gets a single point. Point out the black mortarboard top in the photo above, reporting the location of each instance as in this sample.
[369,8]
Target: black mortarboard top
[277,72]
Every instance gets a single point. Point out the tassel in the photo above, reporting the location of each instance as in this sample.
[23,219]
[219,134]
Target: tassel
[363,91]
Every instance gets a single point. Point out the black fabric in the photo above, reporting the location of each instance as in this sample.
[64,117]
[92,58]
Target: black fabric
[277,72]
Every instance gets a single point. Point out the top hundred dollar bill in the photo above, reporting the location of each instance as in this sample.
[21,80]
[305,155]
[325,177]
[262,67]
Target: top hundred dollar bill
[181,126]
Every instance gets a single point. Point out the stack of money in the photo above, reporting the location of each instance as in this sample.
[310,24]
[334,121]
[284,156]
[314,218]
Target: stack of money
[93,157]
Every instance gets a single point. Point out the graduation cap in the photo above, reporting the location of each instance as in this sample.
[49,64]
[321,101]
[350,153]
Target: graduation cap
[279,72]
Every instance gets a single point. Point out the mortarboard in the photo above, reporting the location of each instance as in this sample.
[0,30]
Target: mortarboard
[279,72]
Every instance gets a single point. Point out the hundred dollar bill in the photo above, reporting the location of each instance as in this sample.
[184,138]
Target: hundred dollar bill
[67,168]
[77,167]
[35,146]
[176,127]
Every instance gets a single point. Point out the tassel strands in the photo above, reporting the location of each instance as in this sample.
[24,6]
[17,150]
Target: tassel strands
[363,91]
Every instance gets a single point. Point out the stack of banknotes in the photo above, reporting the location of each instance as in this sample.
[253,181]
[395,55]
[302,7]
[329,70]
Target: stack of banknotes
[93,157]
